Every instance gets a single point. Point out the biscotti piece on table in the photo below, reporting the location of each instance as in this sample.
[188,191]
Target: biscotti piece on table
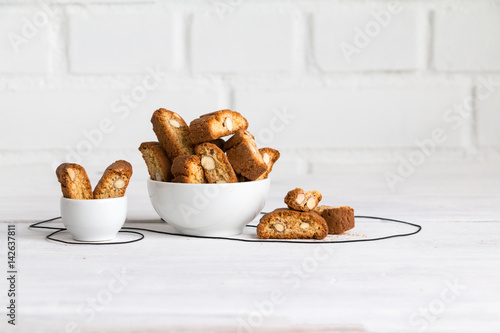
[270,156]
[215,125]
[114,181]
[172,132]
[246,158]
[157,161]
[215,164]
[298,199]
[188,169]
[75,183]
[339,219]
[290,224]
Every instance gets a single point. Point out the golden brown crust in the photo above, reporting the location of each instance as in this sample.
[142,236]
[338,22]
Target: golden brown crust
[187,169]
[246,159]
[298,199]
[338,219]
[114,181]
[156,160]
[270,156]
[75,183]
[172,132]
[215,164]
[215,125]
[289,224]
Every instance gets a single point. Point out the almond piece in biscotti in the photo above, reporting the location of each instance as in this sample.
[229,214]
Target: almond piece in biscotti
[114,181]
[300,200]
[270,156]
[215,125]
[290,224]
[157,161]
[75,183]
[172,132]
[215,164]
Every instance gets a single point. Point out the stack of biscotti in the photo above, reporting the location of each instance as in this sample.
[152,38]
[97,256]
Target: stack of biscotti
[75,183]
[199,154]
[304,219]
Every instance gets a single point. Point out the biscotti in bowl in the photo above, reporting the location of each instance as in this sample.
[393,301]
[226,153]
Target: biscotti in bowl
[209,177]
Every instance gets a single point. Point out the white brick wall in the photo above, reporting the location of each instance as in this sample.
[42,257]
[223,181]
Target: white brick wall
[384,38]
[467,40]
[390,117]
[246,40]
[488,113]
[104,41]
[411,69]
[24,45]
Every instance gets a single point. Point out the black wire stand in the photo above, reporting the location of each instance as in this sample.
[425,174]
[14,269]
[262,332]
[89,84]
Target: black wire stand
[136,231]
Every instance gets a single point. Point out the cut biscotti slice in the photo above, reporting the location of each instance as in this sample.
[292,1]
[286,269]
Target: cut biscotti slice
[298,199]
[75,183]
[289,224]
[247,160]
[338,219]
[114,181]
[215,164]
[270,156]
[188,169]
[214,125]
[172,132]
[157,161]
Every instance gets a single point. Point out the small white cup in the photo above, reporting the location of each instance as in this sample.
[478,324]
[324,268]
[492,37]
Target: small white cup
[94,220]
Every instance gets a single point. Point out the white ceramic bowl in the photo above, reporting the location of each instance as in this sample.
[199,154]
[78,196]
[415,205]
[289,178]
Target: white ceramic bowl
[94,220]
[208,209]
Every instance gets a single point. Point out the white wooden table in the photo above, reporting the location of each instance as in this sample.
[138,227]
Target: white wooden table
[444,279]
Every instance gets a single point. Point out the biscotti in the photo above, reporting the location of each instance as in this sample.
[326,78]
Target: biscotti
[215,164]
[298,199]
[218,142]
[75,183]
[157,161]
[188,169]
[245,157]
[237,138]
[114,181]
[338,219]
[270,156]
[172,132]
[289,224]
[215,125]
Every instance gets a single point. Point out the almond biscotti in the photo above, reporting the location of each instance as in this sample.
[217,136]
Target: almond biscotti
[157,161]
[172,132]
[289,224]
[270,156]
[215,125]
[75,183]
[114,181]
[237,138]
[245,157]
[188,169]
[338,219]
[298,199]
[215,164]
